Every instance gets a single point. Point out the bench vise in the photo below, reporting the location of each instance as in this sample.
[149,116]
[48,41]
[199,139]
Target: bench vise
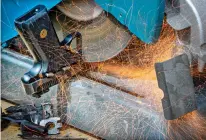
[54,60]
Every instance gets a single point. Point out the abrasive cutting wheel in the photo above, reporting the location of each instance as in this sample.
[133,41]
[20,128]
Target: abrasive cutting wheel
[80,10]
[103,36]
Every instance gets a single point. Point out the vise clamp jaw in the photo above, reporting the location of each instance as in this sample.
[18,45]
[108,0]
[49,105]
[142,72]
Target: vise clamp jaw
[53,60]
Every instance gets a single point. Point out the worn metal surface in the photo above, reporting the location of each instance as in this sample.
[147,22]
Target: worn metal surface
[12,69]
[175,80]
[190,15]
[94,107]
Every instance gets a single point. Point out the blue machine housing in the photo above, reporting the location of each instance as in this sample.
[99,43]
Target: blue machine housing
[12,9]
[142,17]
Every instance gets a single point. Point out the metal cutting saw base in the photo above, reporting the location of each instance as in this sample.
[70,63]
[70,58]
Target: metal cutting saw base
[94,107]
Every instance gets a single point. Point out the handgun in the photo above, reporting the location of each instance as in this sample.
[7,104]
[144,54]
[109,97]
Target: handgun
[53,60]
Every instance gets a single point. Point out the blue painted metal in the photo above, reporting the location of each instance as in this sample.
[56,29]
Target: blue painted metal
[12,9]
[142,17]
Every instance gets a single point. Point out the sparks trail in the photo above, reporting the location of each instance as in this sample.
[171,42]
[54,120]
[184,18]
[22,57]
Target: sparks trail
[190,126]
[136,62]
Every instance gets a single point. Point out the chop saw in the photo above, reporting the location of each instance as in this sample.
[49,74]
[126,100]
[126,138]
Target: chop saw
[120,69]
